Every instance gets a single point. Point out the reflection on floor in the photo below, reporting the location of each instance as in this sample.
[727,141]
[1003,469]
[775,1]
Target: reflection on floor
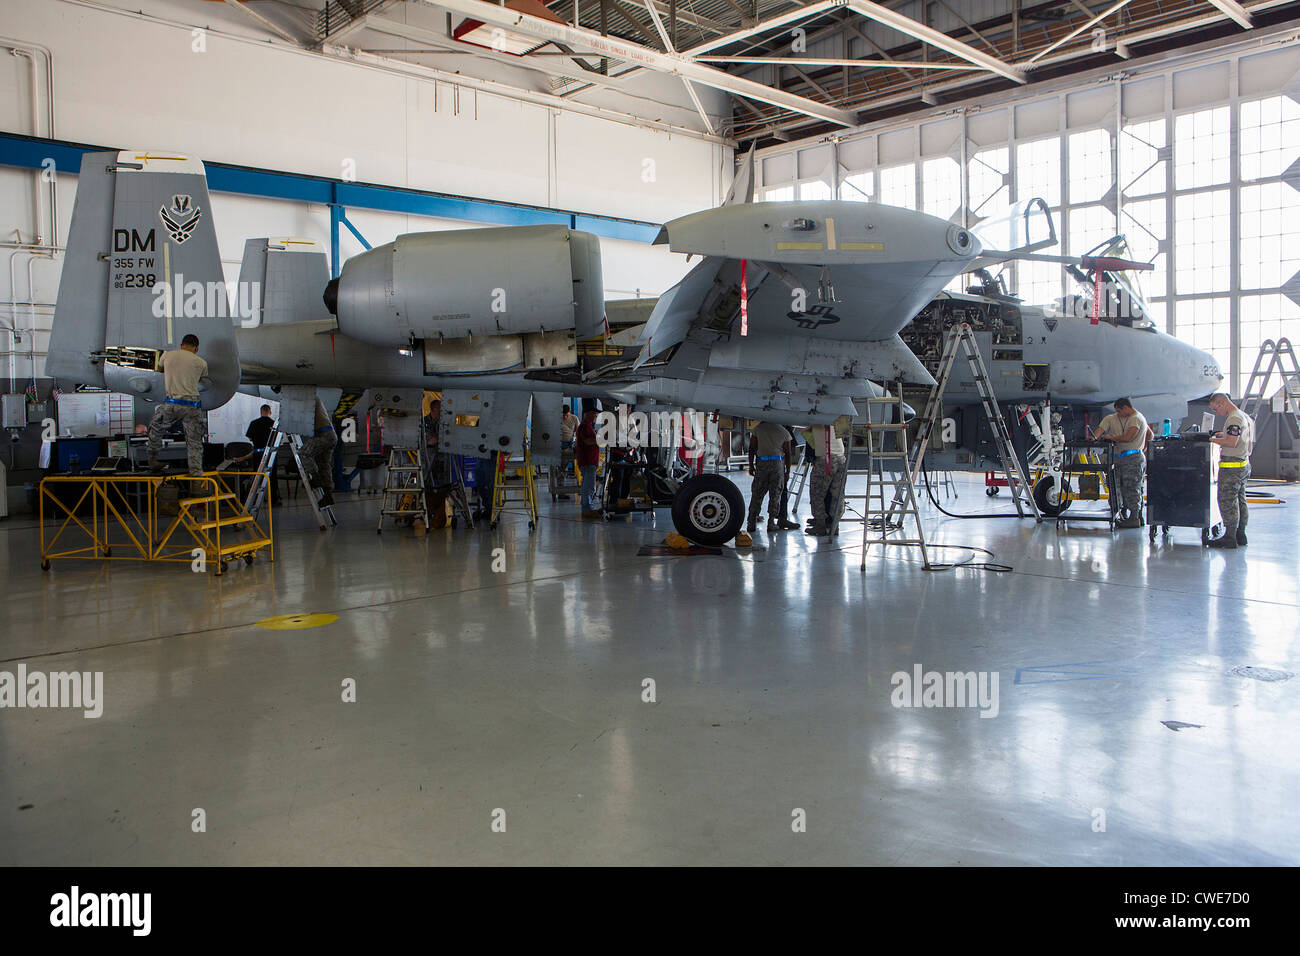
[1122,735]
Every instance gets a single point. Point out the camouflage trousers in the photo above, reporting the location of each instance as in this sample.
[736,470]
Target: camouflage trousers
[769,480]
[1232,499]
[1129,472]
[193,420]
[318,456]
[821,483]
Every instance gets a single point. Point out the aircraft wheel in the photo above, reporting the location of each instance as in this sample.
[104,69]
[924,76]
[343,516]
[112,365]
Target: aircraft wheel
[1048,498]
[708,509]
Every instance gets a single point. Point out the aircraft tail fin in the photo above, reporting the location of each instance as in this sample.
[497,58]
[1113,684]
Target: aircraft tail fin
[142,271]
[281,280]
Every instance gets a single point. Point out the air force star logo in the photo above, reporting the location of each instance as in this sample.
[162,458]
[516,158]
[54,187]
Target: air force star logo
[181,218]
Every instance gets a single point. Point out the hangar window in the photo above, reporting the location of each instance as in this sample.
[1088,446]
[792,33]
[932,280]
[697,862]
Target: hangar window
[1143,158]
[1270,136]
[814,190]
[1144,225]
[1207,324]
[1090,176]
[1270,235]
[989,188]
[1202,243]
[898,186]
[1038,171]
[1090,226]
[780,194]
[1202,148]
[1265,317]
[860,187]
[940,187]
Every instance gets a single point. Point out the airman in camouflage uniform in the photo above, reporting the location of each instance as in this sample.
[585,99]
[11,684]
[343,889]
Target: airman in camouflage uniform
[1236,440]
[183,371]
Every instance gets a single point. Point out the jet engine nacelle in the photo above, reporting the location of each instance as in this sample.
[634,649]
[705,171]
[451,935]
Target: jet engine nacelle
[471,283]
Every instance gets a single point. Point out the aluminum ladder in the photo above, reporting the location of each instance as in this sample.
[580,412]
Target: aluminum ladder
[256,496]
[889,466]
[962,337]
[403,495]
[1281,356]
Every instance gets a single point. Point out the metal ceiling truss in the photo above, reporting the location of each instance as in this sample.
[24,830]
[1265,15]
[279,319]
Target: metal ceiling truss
[744,48]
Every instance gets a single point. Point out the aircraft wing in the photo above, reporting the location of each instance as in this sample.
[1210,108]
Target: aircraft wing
[826,287]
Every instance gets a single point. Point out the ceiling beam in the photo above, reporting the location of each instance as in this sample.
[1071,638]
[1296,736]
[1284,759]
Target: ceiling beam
[1118,5]
[891,18]
[1236,11]
[762,26]
[834,61]
[672,64]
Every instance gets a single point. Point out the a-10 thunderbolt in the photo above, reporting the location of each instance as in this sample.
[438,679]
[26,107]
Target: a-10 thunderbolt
[792,313]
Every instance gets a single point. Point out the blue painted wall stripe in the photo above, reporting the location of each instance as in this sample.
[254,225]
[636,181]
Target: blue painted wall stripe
[31,152]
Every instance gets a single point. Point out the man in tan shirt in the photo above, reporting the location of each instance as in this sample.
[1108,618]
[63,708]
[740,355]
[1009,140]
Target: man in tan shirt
[183,371]
[1127,428]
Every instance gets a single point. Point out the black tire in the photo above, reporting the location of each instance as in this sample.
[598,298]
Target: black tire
[1045,496]
[1151,535]
[991,491]
[249,559]
[45,564]
[709,510]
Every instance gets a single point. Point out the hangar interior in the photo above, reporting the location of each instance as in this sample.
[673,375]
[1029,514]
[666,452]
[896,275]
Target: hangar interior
[545,688]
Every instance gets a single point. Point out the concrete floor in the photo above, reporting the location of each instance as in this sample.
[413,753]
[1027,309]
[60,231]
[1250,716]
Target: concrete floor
[522,691]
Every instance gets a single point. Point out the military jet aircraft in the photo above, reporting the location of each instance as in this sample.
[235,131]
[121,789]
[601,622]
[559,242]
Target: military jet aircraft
[792,313]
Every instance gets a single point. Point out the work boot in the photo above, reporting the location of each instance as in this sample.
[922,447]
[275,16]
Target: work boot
[1129,522]
[156,467]
[787,525]
[752,524]
[1241,539]
[773,525]
[817,530]
[1225,543]
[326,499]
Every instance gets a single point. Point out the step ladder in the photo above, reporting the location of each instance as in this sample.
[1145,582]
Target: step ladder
[403,496]
[518,499]
[962,338]
[213,508]
[257,491]
[889,467]
[1281,356]
[798,479]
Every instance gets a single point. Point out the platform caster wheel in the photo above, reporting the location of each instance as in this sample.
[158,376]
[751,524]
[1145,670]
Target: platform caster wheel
[1165,530]
[249,559]
[532,526]
[1151,535]
[492,526]
[45,565]
[452,523]
[221,568]
[108,552]
[379,531]
[992,491]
